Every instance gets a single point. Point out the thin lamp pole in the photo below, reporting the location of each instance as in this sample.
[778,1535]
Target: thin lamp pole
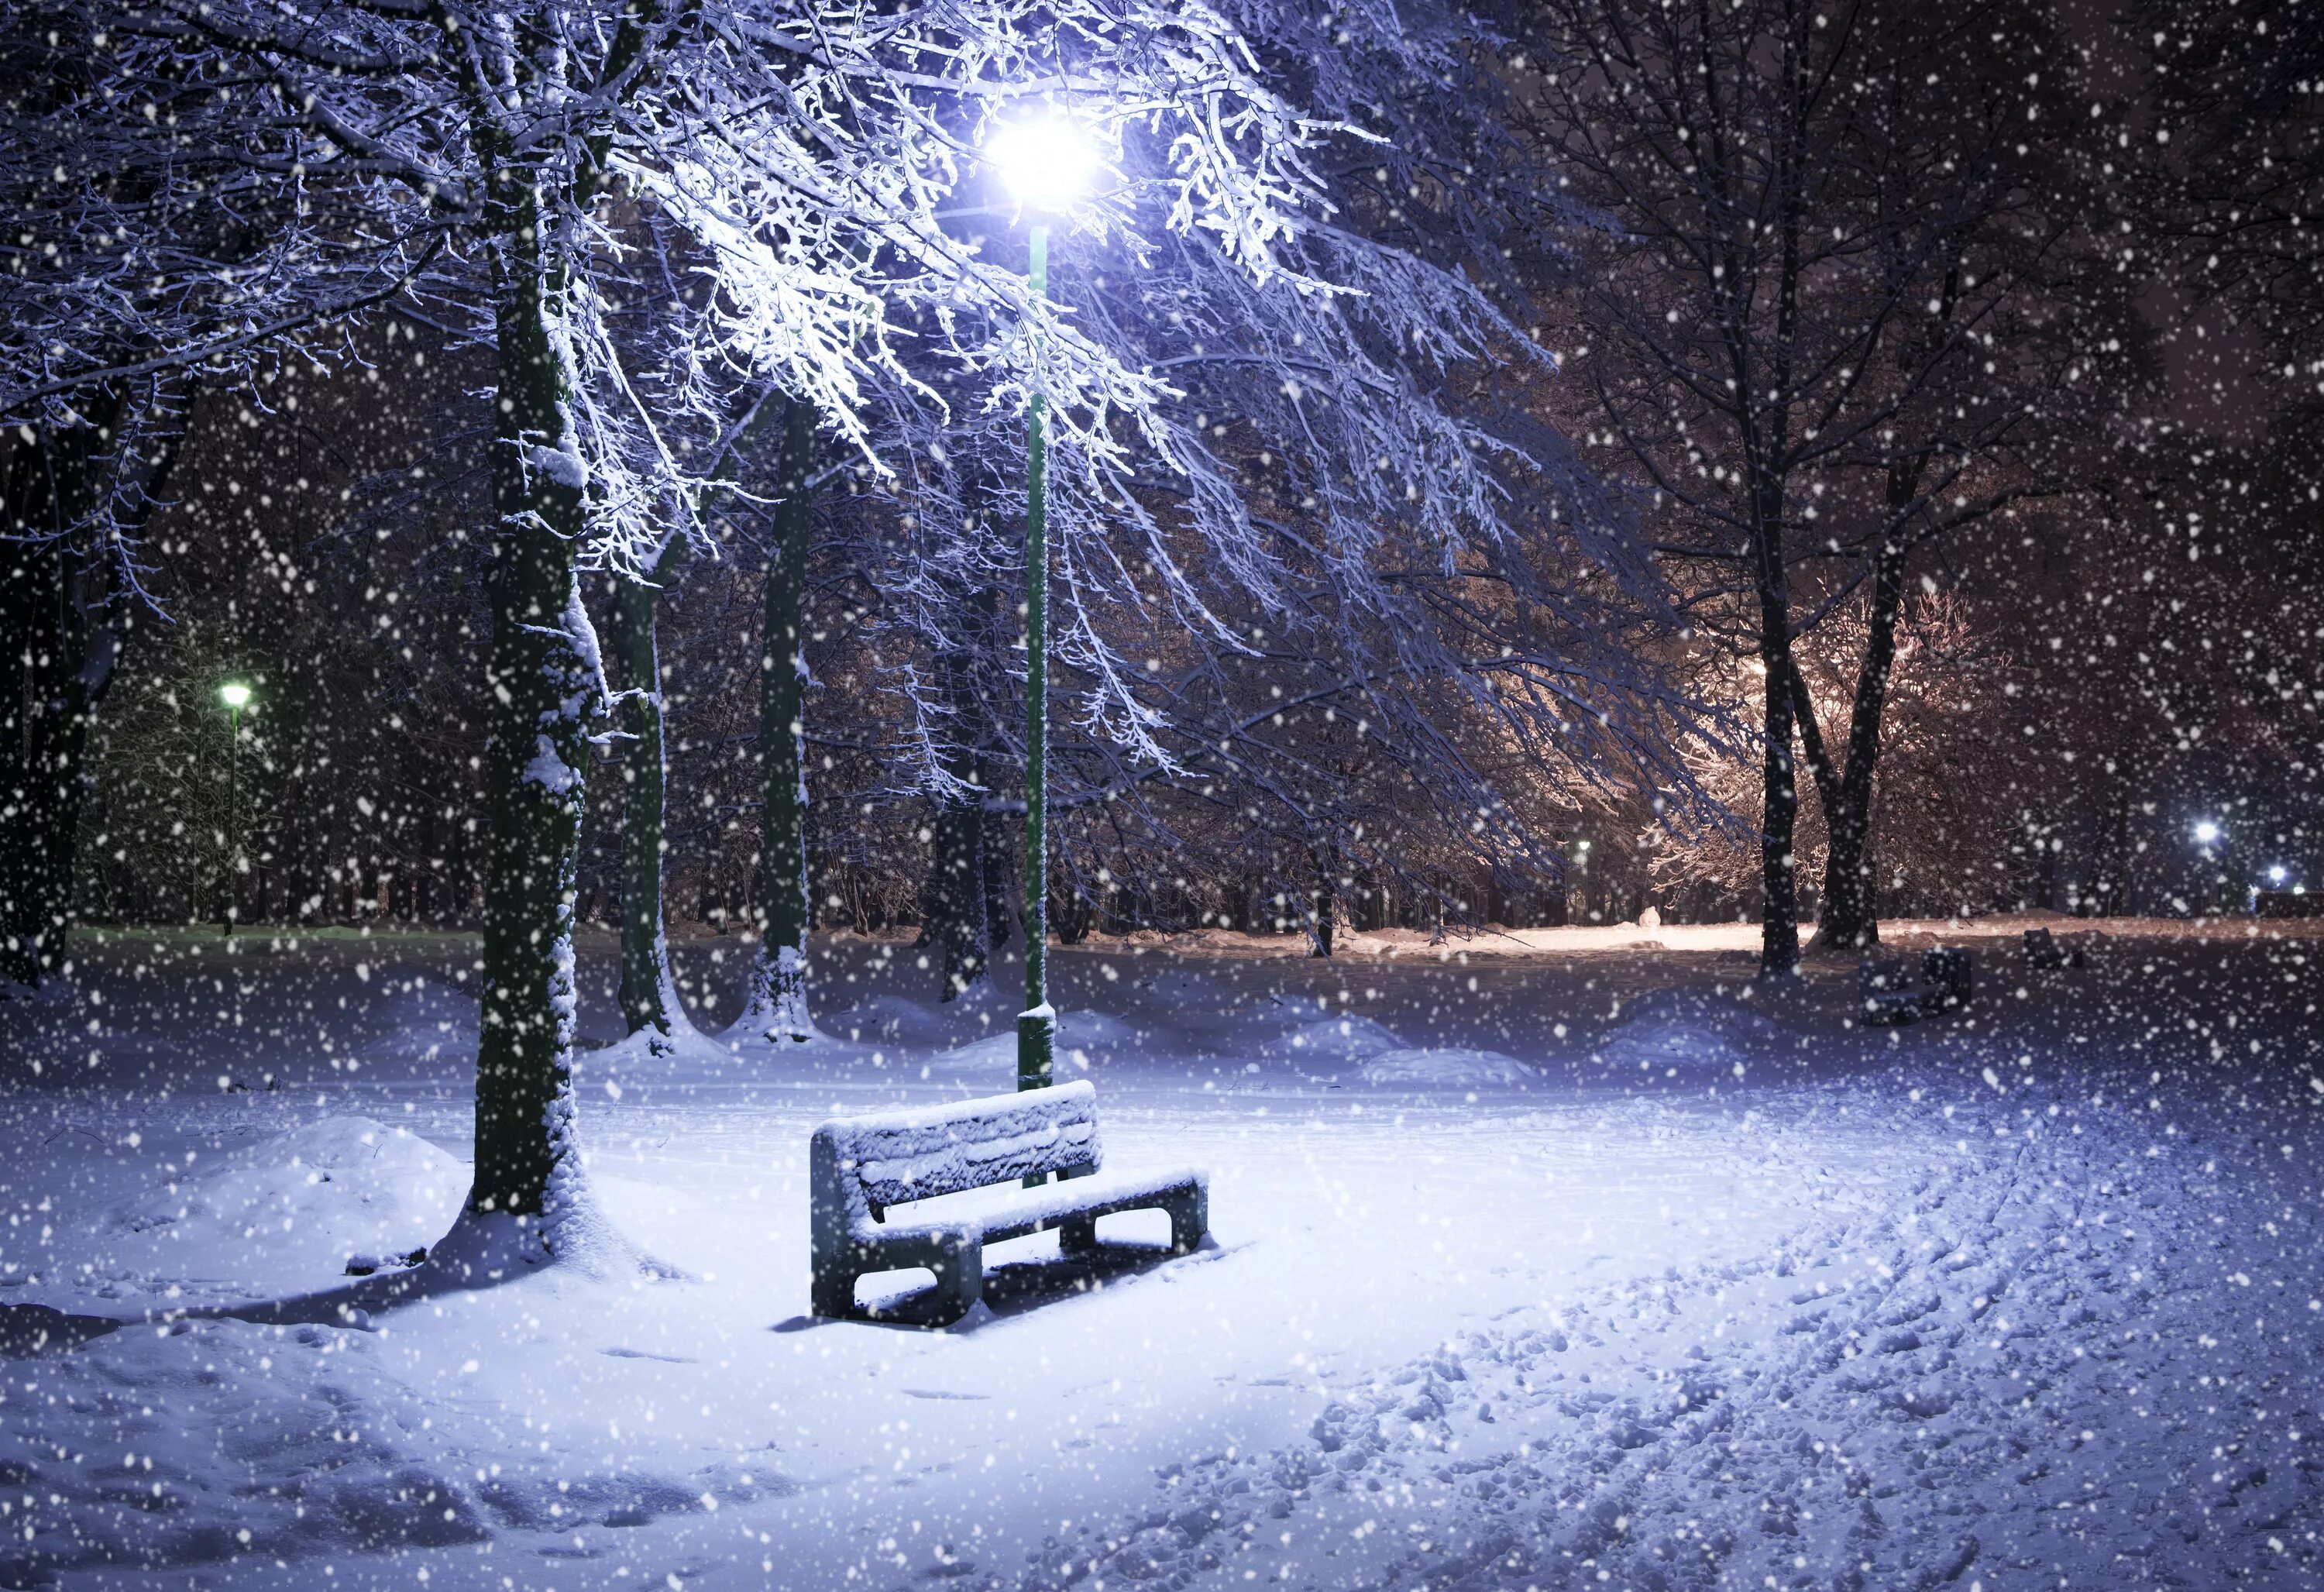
[232,817]
[1037,1028]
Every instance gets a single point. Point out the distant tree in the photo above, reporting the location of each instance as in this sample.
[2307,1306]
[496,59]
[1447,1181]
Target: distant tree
[1342,572]
[2228,158]
[160,242]
[1813,321]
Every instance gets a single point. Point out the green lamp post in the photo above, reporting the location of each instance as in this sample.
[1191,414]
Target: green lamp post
[235,694]
[1046,165]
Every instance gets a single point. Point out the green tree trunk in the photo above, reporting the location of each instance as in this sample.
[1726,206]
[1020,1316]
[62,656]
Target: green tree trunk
[1000,870]
[959,889]
[956,917]
[776,1007]
[648,995]
[545,679]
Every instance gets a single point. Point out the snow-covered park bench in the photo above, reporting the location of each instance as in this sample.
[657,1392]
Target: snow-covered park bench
[860,1169]
[1891,998]
[2046,954]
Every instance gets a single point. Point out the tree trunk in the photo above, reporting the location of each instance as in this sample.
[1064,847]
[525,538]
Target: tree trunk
[1779,919]
[648,995]
[1326,859]
[58,654]
[777,1004]
[1070,912]
[959,914]
[956,915]
[544,678]
[2046,870]
[1850,908]
[1000,880]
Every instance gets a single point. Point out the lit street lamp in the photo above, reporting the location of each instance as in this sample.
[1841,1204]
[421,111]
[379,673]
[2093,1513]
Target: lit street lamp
[2206,831]
[1046,165]
[235,694]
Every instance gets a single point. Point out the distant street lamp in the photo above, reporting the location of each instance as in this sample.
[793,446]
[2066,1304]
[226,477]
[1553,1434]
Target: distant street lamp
[2206,831]
[235,694]
[1046,165]
[2278,874]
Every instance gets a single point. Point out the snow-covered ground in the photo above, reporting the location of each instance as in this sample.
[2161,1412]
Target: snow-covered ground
[1566,1264]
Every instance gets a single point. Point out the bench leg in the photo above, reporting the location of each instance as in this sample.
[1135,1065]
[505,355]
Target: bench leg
[1077,1237]
[959,1282]
[833,1292]
[1190,1218]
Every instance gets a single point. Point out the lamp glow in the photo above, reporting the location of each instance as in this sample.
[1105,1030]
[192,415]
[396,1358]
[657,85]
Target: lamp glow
[2207,831]
[1047,162]
[2276,875]
[235,695]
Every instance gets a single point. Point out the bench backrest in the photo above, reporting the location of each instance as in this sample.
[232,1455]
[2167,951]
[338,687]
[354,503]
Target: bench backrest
[1945,969]
[871,1163]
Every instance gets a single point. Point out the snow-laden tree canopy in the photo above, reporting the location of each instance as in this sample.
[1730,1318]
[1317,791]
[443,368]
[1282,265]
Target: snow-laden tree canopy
[808,155]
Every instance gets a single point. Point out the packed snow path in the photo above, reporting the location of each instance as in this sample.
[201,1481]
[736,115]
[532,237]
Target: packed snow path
[2027,1304]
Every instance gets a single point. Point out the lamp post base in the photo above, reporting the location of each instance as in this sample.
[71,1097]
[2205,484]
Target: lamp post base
[1036,1049]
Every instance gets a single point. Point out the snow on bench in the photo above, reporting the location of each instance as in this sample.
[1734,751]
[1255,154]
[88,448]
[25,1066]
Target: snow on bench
[1891,999]
[861,1168]
[2047,955]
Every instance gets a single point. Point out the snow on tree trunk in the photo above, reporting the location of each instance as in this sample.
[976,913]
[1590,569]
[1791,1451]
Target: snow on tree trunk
[545,680]
[776,1006]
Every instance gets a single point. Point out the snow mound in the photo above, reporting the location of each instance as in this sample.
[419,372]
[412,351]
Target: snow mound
[1085,1039]
[1181,989]
[897,1020]
[1280,1009]
[50,992]
[1683,1030]
[1450,1067]
[131,1051]
[206,1446]
[1332,1039]
[298,1210]
[648,1057]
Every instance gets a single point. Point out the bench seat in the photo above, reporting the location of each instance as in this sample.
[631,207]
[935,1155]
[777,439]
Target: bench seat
[1061,1206]
[863,1170]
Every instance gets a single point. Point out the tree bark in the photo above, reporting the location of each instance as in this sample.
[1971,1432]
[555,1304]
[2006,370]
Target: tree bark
[1000,880]
[1779,918]
[649,994]
[1851,919]
[545,676]
[959,901]
[957,895]
[1325,856]
[776,1006]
